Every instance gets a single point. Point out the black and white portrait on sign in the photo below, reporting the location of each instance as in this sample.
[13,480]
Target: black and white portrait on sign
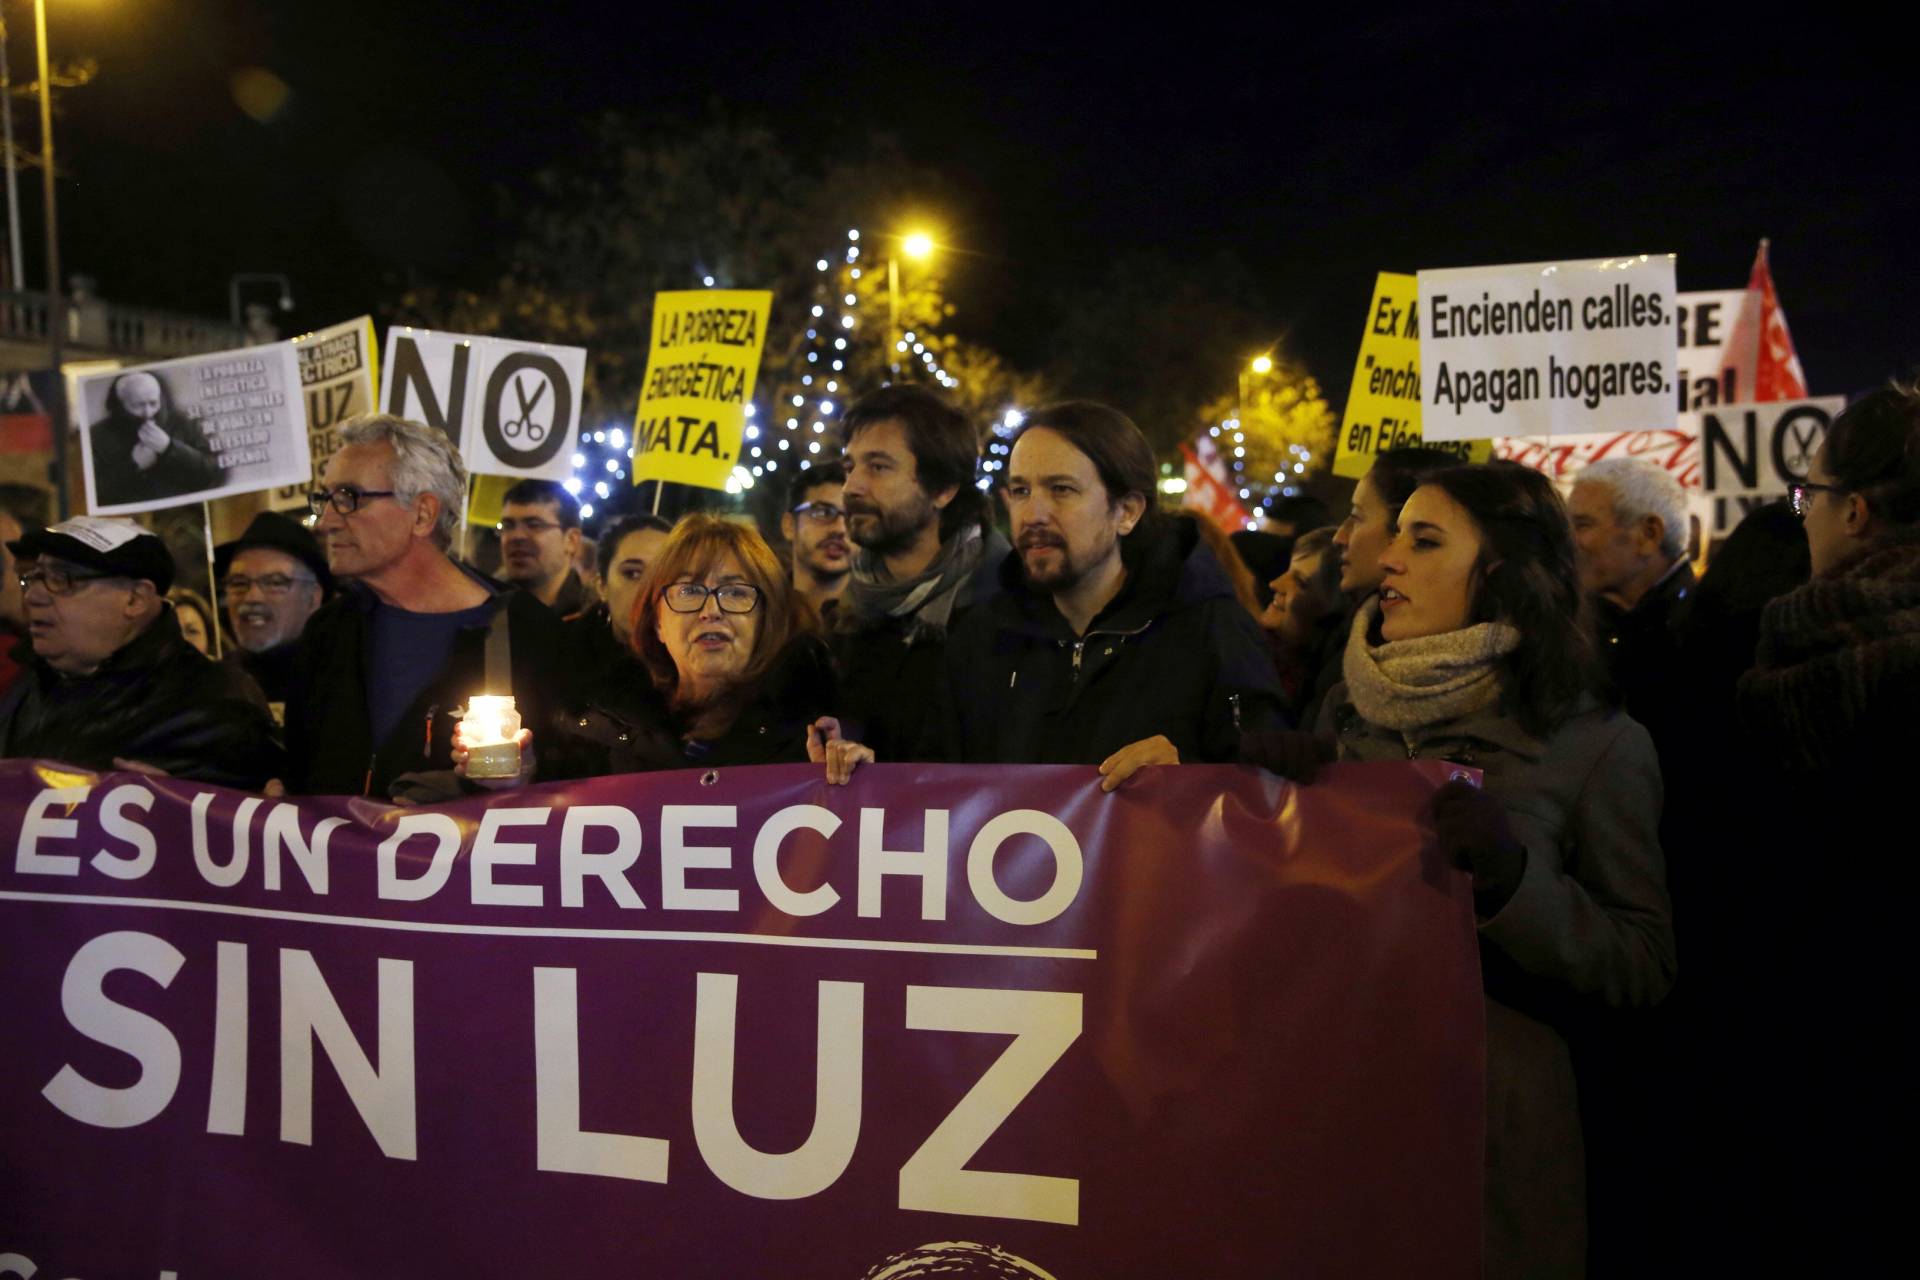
[187,430]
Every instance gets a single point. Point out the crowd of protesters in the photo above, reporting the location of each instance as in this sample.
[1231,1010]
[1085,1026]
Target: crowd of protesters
[1672,771]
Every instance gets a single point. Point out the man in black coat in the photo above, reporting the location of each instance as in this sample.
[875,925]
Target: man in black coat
[110,681]
[145,450]
[1116,640]
[926,555]
[384,670]
[1630,527]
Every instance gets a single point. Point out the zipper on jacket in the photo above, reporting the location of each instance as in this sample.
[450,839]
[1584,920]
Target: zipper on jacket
[1233,706]
[1080,645]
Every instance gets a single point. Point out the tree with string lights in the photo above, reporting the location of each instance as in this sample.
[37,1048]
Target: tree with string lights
[1274,431]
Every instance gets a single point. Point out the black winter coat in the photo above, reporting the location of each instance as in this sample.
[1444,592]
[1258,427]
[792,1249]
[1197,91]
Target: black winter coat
[890,685]
[596,659]
[1173,654]
[625,726]
[158,700]
[1641,646]
[330,747]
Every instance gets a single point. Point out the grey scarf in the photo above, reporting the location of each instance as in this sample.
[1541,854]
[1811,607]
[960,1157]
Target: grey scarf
[1409,684]
[926,600]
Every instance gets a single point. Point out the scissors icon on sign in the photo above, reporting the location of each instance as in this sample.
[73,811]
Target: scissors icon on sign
[536,431]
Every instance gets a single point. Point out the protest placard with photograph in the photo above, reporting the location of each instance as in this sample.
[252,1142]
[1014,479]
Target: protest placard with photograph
[338,376]
[1547,348]
[1383,405]
[513,408]
[700,374]
[179,431]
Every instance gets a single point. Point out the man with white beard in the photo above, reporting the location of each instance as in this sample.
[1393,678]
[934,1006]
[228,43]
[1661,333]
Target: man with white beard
[273,577]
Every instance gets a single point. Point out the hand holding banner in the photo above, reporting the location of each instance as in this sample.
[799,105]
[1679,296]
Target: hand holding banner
[741,1023]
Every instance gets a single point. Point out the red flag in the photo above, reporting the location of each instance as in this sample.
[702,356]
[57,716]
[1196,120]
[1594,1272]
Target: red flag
[1761,342]
[1207,495]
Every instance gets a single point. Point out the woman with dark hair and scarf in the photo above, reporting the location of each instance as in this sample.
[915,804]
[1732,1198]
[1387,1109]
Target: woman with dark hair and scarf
[1475,651]
[1358,541]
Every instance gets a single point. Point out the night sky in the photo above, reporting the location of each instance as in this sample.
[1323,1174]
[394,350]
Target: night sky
[1316,150]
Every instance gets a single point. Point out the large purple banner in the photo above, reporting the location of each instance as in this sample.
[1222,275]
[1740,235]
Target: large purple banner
[941,1022]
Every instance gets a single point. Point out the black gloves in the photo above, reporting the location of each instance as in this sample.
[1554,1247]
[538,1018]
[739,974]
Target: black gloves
[1294,754]
[1475,836]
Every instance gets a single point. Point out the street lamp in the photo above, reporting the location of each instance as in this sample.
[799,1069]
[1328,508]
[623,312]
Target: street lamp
[919,246]
[56,295]
[1260,365]
[257,277]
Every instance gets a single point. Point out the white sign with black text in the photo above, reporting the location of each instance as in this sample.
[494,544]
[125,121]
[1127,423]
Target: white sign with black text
[513,408]
[187,430]
[1749,450]
[1547,348]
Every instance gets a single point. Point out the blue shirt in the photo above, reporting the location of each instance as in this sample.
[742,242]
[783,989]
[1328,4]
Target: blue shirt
[410,650]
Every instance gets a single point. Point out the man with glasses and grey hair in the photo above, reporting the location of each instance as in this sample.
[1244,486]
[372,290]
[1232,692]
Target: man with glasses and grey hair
[111,682]
[386,668]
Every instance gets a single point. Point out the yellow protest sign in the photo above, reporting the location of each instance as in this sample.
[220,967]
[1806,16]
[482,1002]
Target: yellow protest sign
[1383,405]
[700,374]
[486,497]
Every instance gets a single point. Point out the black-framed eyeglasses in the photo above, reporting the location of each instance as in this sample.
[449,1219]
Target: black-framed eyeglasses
[345,499]
[533,525]
[1800,495]
[691,597]
[272,584]
[57,580]
[820,512]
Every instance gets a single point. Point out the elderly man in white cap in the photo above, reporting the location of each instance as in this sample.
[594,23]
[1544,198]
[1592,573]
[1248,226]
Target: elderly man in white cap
[111,681]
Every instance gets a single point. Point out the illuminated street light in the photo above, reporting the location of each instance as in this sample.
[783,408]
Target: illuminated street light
[917,245]
[1263,364]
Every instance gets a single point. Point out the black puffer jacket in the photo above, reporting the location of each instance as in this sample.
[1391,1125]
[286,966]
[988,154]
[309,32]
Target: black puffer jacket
[626,727]
[1173,654]
[158,700]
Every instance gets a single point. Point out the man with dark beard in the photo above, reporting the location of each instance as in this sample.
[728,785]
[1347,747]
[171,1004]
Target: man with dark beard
[1116,639]
[926,555]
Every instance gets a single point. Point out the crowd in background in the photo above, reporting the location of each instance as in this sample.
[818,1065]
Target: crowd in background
[1687,1013]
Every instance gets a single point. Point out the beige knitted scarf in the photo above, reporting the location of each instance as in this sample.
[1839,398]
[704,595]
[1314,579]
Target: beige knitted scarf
[1409,684]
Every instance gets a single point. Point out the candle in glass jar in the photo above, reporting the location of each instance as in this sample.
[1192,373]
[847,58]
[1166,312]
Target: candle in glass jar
[491,727]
